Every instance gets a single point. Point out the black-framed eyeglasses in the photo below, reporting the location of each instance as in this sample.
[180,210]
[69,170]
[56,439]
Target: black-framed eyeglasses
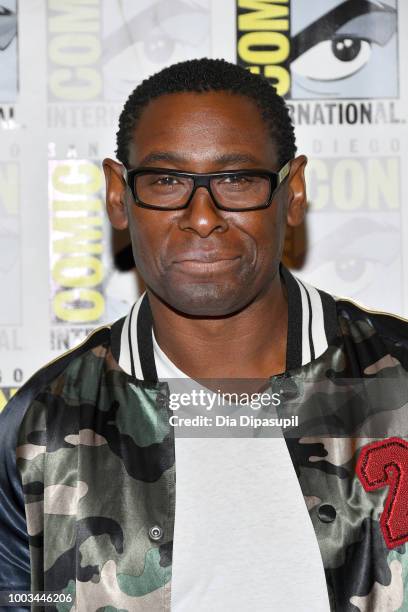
[233,190]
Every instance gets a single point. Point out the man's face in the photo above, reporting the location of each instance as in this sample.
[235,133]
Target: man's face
[201,260]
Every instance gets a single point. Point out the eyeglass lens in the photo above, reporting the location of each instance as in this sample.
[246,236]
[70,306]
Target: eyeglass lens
[234,191]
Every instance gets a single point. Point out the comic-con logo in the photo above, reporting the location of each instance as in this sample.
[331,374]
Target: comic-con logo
[321,49]
[101,50]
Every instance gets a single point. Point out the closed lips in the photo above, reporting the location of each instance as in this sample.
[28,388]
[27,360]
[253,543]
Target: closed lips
[204,258]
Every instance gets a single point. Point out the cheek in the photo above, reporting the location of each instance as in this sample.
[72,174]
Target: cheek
[141,237]
[276,226]
[267,233]
[148,235]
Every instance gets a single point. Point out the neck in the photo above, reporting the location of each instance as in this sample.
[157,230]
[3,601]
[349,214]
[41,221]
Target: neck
[205,348]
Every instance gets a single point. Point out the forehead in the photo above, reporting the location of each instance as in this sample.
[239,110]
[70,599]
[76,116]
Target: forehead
[202,126]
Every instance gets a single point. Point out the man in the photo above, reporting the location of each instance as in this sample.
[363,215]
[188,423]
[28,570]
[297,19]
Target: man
[207,181]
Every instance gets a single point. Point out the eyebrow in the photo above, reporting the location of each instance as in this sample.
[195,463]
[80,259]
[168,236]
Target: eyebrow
[177,158]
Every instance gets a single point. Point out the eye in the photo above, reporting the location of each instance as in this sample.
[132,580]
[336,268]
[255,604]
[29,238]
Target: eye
[236,180]
[345,257]
[351,269]
[349,38]
[143,36]
[333,59]
[166,180]
[239,180]
[352,275]
[8,27]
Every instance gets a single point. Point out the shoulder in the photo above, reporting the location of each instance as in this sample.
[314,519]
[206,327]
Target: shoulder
[22,429]
[64,367]
[374,336]
[388,325]
[45,376]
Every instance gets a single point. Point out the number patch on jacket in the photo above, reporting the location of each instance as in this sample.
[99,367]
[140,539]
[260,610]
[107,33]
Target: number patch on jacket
[385,464]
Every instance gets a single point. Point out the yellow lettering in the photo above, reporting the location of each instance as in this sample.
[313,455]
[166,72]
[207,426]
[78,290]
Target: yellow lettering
[348,184]
[74,271]
[75,17]
[351,184]
[82,232]
[318,181]
[265,15]
[278,74]
[278,43]
[280,77]
[74,175]
[74,49]
[66,309]
[4,399]
[383,183]
[76,84]
[77,205]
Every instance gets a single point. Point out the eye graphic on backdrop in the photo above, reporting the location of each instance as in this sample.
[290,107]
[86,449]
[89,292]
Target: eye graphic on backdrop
[8,27]
[343,260]
[344,50]
[332,60]
[140,38]
[8,51]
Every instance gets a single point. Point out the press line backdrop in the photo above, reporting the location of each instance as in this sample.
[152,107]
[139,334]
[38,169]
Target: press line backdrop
[66,68]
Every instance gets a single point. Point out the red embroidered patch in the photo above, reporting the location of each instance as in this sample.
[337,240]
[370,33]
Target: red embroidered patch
[381,464]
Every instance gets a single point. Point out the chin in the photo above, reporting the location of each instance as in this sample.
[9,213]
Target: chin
[207,300]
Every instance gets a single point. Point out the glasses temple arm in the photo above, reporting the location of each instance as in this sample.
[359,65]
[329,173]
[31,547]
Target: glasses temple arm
[283,172]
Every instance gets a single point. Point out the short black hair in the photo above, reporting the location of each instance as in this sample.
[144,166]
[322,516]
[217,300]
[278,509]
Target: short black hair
[202,75]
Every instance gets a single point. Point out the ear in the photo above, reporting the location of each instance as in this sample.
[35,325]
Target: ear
[297,201]
[115,194]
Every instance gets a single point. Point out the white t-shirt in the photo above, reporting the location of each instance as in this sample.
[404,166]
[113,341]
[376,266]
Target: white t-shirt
[243,539]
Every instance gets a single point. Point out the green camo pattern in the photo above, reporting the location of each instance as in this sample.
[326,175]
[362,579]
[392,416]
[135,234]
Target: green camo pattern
[96,457]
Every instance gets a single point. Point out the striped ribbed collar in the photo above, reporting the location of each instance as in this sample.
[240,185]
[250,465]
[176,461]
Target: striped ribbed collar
[312,323]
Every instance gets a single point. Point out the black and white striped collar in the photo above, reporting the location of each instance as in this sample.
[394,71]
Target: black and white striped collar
[312,323]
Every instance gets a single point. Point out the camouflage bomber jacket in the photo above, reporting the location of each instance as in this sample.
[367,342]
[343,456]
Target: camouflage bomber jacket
[88,462]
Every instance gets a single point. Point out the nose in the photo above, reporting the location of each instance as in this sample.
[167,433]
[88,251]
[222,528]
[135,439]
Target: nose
[202,216]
